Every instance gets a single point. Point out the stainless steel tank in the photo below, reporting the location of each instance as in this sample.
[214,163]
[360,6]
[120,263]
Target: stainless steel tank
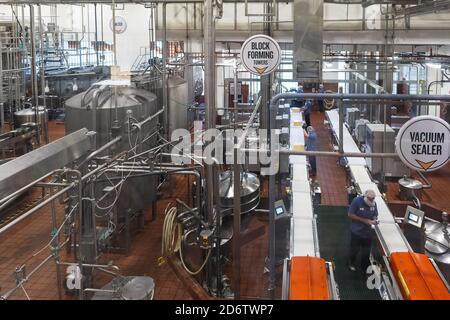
[136,193]
[177,103]
[250,188]
[109,120]
[438,247]
[29,116]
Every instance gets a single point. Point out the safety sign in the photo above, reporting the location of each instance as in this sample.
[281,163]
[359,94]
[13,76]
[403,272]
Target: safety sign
[423,143]
[260,55]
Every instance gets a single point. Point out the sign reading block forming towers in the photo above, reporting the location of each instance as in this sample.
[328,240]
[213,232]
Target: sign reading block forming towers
[260,55]
[423,143]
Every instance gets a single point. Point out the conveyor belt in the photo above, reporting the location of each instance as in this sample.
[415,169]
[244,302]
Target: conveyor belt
[303,226]
[311,278]
[389,234]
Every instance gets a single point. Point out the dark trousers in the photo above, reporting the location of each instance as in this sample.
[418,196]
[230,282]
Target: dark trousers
[312,162]
[364,245]
[321,106]
[308,119]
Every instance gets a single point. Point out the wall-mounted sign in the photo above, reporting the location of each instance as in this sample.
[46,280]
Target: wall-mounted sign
[423,143]
[260,55]
[121,24]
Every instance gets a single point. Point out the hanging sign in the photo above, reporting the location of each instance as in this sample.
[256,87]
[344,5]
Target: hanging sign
[423,143]
[260,55]
[120,24]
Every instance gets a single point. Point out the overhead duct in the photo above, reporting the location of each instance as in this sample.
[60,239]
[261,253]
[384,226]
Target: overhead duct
[308,40]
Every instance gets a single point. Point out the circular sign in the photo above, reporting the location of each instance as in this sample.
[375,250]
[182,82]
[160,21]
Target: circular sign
[423,143]
[120,25]
[260,55]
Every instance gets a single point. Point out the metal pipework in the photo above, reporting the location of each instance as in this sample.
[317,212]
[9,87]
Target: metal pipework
[42,73]
[427,184]
[332,154]
[101,149]
[164,71]
[34,86]
[150,118]
[358,96]
[36,208]
[209,46]
[249,123]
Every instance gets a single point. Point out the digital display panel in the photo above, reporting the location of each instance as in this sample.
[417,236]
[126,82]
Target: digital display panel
[279,210]
[413,217]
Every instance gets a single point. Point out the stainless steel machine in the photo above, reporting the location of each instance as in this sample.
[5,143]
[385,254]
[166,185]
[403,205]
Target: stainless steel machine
[115,111]
[375,143]
[437,244]
[352,115]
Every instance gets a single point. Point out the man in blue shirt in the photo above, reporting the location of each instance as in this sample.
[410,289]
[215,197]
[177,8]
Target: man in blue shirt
[297,103]
[320,100]
[311,138]
[307,112]
[363,213]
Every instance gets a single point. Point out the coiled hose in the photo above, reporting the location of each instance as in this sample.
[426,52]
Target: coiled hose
[172,237]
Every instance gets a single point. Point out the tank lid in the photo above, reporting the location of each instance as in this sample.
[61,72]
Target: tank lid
[138,288]
[435,238]
[29,111]
[249,184]
[410,183]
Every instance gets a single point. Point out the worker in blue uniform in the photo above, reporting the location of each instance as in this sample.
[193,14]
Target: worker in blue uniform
[310,143]
[297,103]
[307,112]
[320,100]
[363,213]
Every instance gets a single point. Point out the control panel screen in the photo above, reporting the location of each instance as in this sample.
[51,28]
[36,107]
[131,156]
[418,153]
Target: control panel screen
[413,217]
[279,210]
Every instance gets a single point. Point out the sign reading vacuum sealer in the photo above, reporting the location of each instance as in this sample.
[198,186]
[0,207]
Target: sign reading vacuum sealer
[423,143]
[260,55]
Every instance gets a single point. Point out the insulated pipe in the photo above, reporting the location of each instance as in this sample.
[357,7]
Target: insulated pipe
[165,88]
[95,98]
[150,118]
[34,86]
[102,148]
[42,72]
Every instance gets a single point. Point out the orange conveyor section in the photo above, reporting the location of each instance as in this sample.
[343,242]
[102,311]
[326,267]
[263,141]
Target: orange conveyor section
[417,277]
[308,279]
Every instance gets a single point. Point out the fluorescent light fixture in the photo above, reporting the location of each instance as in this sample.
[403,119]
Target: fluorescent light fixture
[433,65]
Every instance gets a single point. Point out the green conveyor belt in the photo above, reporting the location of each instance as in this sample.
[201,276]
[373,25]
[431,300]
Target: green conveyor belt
[334,242]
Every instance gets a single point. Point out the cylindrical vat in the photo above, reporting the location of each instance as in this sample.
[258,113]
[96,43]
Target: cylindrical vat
[250,188]
[29,116]
[112,115]
[111,121]
[177,103]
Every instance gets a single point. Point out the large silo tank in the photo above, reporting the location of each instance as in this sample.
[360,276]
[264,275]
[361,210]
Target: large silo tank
[141,103]
[178,102]
[138,192]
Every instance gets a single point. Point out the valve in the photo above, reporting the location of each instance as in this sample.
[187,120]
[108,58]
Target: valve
[205,238]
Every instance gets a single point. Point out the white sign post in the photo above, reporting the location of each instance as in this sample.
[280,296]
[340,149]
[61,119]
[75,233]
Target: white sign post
[260,55]
[423,143]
